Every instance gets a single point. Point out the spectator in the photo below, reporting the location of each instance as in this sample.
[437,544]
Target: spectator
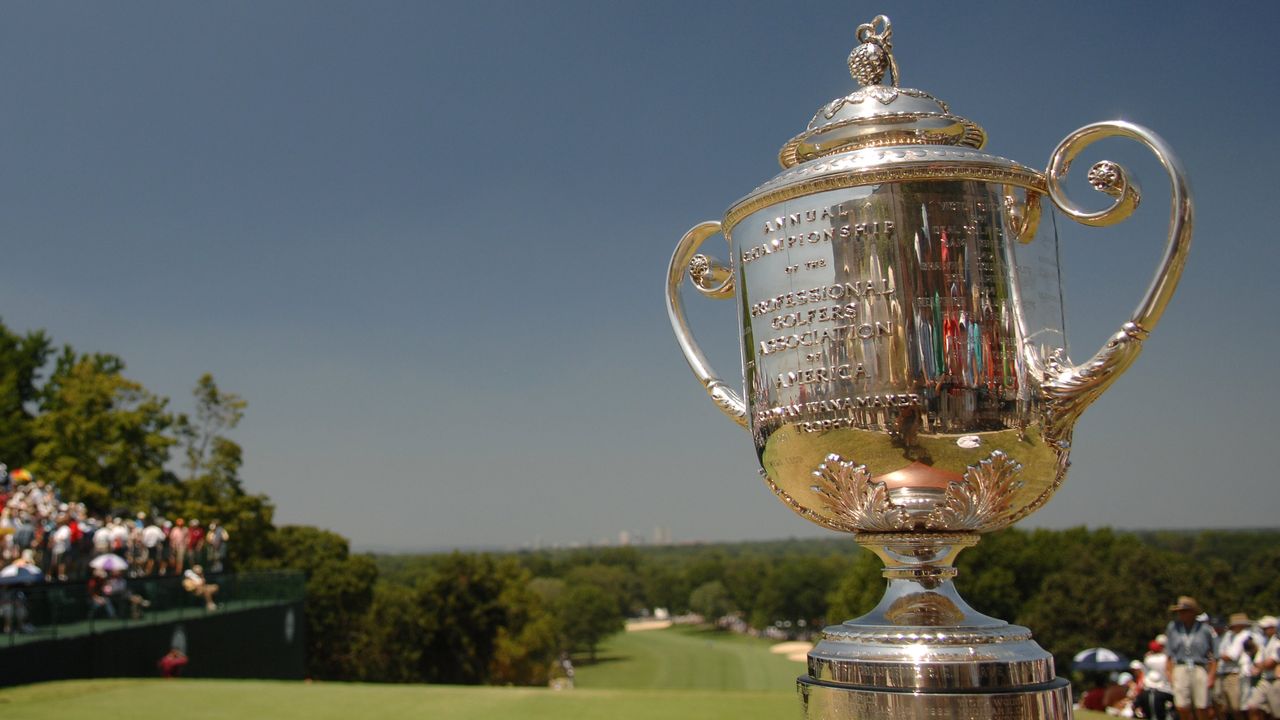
[195,542]
[152,547]
[172,664]
[98,600]
[216,540]
[101,539]
[1229,692]
[118,592]
[1192,659]
[193,582]
[60,545]
[178,546]
[137,550]
[1264,700]
[1156,697]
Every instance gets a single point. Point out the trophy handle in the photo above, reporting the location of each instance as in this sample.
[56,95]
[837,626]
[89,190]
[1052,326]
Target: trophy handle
[1070,389]
[715,281]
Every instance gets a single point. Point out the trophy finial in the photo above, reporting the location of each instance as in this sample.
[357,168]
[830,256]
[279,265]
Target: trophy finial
[869,61]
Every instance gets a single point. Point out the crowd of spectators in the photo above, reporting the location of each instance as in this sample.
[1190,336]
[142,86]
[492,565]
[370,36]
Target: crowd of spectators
[45,538]
[39,528]
[1199,668]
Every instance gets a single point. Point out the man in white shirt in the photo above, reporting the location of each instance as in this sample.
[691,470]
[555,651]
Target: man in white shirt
[1264,700]
[152,536]
[1234,667]
[60,544]
[102,540]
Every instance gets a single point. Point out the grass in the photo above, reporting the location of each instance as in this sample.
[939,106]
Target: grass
[684,658]
[676,674]
[209,699]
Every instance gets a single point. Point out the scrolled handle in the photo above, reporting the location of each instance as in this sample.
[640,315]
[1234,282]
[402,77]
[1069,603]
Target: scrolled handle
[713,280]
[1072,388]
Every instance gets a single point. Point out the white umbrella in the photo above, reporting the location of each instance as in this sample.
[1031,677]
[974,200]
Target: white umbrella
[109,562]
[1099,658]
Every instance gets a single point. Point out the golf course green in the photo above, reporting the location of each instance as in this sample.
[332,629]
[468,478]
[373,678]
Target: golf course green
[669,674]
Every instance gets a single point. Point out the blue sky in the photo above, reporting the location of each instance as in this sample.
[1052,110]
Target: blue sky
[426,241]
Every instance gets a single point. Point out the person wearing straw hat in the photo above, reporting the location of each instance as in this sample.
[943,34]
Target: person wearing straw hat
[1192,664]
[1235,665]
[1264,699]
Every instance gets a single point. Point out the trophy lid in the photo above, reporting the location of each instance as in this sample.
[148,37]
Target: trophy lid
[879,114]
[881,133]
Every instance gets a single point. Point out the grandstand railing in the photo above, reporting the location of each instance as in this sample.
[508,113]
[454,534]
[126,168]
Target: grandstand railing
[49,610]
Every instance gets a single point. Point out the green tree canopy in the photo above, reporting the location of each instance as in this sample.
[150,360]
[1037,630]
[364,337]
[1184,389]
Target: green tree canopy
[102,437]
[587,616]
[21,359]
[710,600]
[212,488]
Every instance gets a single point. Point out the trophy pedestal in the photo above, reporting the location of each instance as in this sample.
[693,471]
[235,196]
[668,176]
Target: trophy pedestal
[924,653]
[831,702]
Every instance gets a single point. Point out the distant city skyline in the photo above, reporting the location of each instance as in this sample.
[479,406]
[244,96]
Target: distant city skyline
[425,242]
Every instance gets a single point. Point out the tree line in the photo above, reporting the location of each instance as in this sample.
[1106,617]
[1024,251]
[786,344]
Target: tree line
[504,618]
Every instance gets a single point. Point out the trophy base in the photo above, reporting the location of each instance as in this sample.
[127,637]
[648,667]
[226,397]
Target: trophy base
[1051,701]
[924,653]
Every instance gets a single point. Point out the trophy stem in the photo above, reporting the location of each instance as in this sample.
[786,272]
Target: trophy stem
[924,653]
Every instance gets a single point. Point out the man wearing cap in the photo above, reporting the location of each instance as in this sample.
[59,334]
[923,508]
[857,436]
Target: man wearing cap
[1235,665]
[1264,700]
[1192,665]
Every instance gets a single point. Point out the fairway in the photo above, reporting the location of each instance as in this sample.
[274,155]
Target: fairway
[689,658]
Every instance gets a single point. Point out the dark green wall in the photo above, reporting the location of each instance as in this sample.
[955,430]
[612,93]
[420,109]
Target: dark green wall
[241,644]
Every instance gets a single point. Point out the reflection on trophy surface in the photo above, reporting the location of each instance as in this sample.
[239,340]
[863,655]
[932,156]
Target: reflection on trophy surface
[904,374]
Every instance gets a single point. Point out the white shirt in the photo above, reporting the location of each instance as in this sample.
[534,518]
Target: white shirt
[1271,650]
[152,535]
[102,539]
[1233,654]
[62,539]
[1153,673]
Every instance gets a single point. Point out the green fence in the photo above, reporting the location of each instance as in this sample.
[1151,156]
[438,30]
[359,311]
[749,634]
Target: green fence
[59,610]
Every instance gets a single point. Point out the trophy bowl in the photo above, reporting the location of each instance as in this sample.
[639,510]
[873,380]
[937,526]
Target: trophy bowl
[903,369]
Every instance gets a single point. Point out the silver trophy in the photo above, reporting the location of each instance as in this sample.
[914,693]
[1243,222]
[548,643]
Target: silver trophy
[903,371]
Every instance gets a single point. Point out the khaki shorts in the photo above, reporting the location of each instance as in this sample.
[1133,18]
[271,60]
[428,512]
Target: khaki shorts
[1265,697]
[1226,692]
[1190,686]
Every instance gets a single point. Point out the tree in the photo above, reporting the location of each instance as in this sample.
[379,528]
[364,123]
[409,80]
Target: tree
[473,616]
[587,616]
[528,638]
[710,600]
[1109,590]
[390,642]
[339,593]
[744,579]
[21,358]
[102,437]
[859,590]
[202,439]
[796,589]
[212,487]
[624,586]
